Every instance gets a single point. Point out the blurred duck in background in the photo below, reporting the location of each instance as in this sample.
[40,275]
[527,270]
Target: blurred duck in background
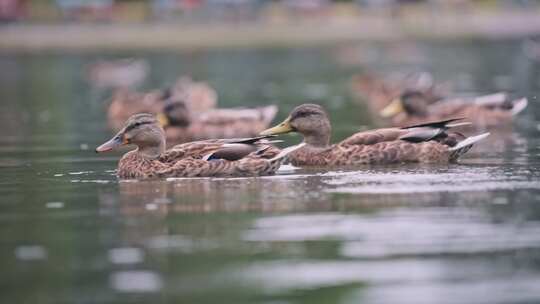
[125,103]
[187,112]
[424,143]
[183,124]
[216,157]
[485,112]
[197,96]
[379,91]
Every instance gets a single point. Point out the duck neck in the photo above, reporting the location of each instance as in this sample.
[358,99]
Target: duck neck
[152,151]
[319,137]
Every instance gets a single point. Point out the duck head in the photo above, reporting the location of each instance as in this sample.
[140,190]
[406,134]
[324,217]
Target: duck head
[308,119]
[175,113]
[409,102]
[141,130]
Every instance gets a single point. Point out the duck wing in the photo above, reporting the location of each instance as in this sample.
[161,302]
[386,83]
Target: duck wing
[415,133]
[230,149]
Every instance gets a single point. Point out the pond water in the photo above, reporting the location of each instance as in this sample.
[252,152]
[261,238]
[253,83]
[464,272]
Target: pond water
[72,233]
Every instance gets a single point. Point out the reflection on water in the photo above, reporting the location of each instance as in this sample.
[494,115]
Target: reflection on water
[460,233]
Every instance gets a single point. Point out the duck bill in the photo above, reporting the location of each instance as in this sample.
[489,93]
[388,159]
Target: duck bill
[112,144]
[282,128]
[163,120]
[393,109]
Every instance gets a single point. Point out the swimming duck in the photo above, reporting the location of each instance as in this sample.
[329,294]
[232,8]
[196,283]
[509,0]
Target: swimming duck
[425,143]
[495,110]
[218,157]
[378,92]
[197,97]
[182,124]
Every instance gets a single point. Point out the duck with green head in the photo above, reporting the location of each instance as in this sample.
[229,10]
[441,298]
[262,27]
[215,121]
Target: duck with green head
[217,157]
[424,143]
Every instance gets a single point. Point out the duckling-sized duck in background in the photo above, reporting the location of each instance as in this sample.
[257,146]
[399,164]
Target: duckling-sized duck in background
[239,157]
[425,143]
[489,111]
[181,124]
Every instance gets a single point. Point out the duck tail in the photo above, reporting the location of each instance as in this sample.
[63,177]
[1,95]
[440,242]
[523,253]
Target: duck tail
[519,105]
[463,146]
[286,151]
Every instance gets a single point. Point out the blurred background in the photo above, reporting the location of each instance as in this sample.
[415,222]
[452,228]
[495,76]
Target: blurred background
[72,233]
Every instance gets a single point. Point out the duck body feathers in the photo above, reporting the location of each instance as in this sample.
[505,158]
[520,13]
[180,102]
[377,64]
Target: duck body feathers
[381,146]
[423,143]
[219,157]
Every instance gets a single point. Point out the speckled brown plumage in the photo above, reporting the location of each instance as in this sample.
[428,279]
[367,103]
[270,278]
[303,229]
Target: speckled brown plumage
[430,143]
[219,157]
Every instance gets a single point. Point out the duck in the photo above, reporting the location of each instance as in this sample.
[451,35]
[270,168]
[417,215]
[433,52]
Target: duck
[182,124]
[198,96]
[486,112]
[423,143]
[378,92]
[216,157]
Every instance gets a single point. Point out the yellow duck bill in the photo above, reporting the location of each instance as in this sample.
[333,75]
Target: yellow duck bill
[393,109]
[282,128]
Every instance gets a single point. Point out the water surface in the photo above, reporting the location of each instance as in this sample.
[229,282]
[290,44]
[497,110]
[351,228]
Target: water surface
[460,233]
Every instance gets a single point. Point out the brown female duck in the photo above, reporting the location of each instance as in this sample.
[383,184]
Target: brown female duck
[427,143]
[240,157]
[197,96]
[378,92]
[181,124]
[488,111]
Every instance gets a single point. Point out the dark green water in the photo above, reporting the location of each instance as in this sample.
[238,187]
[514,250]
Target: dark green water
[71,233]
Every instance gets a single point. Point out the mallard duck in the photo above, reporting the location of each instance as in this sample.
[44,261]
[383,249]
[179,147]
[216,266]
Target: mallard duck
[378,92]
[196,96]
[425,143]
[487,111]
[182,124]
[221,157]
